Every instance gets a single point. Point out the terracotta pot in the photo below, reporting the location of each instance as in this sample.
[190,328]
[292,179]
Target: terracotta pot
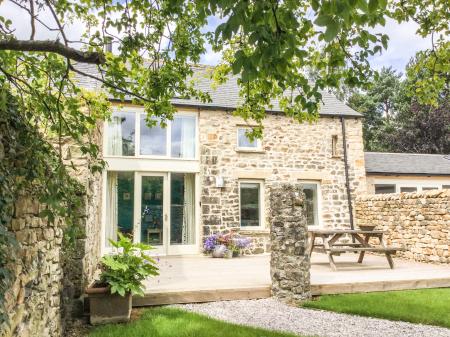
[108,308]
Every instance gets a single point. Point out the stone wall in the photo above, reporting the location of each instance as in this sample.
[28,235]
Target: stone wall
[420,222]
[50,276]
[291,152]
[289,262]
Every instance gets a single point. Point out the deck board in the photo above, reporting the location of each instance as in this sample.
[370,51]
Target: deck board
[202,279]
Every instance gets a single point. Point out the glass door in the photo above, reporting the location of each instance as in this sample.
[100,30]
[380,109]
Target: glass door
[165,212]
[151,211]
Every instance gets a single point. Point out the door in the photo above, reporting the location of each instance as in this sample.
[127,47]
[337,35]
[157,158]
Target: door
[151,213]
[165,212]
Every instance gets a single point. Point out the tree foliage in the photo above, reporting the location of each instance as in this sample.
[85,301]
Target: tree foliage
[394,121]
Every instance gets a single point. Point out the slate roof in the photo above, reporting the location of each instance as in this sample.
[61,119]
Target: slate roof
[225,96]
[407,163]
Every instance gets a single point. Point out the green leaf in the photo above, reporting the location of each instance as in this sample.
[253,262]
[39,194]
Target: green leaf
[373,5]
[331,31]
[323,20]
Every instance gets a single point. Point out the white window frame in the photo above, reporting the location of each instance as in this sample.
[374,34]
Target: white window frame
[419,184]
[258,146]
[319,199]
[139,111]
[261,204]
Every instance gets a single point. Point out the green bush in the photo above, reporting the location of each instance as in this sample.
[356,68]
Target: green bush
[126,269]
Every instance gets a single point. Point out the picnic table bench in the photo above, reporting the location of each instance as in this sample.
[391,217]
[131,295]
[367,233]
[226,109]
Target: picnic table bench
[360,243]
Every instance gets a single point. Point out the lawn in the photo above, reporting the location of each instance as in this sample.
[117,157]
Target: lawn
[170,322]
[426,306]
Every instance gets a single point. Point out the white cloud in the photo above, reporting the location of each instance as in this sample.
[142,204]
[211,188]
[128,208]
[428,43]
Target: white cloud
[403,44]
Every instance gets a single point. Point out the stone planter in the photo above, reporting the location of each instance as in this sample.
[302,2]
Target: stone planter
[219,251]
[106,307]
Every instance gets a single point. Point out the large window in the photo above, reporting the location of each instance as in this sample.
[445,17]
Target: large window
[153,140]
[177,140]
[250,203]
[121,134]
[182,208]
[244,142]
[311,191]
[119,205]
[183,137]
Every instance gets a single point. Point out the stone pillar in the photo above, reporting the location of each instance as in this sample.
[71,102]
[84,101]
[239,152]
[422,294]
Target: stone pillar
[289,262]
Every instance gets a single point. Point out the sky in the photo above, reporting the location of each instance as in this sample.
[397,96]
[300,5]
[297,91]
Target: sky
[403,44]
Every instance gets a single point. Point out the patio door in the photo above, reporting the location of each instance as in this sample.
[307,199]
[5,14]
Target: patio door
[165,212]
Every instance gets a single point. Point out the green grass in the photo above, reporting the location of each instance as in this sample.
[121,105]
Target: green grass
[169,322]
[426,306]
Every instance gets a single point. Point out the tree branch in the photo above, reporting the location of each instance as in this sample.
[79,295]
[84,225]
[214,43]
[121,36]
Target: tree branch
[53,47]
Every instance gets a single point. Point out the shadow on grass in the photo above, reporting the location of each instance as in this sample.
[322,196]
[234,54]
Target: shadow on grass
[171,322]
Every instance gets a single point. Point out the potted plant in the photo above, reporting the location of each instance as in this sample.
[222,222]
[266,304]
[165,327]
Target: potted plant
[122,275]
[225,244]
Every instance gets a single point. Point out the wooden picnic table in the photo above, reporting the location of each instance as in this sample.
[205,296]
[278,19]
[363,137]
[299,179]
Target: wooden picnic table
[360,242]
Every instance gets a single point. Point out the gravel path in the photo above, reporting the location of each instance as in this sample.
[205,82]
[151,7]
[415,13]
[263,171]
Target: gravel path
[273,315]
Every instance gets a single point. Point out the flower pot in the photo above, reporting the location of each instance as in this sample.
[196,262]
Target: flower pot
[219,251]
[106,307]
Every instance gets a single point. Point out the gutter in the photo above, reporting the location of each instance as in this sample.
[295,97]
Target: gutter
[347,179]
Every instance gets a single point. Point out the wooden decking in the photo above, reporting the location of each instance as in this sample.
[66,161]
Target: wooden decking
[203,279]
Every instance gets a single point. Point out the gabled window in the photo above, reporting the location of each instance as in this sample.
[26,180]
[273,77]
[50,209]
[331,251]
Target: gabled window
[244,142]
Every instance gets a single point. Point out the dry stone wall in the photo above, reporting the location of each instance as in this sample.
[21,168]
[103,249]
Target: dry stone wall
[420,222]
[50,276]
[290,152]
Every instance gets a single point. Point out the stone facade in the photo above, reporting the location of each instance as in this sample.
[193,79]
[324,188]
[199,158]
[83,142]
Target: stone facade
[420,222]
[50,276]
[290,152]
[289,262]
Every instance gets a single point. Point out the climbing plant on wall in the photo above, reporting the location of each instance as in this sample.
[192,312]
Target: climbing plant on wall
[31,165]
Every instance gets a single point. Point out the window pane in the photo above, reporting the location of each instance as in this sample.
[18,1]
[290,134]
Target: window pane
[382,188]
[311,204]
[119,205]
[182,208]
[408,189]
[243,140]
[120,134]
[153,140]
[152,210]
[183,137]
[429,188]
[250,205]
[446,187]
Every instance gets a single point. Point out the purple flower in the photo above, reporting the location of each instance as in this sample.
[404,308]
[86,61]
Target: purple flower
[210,243]
[242,242]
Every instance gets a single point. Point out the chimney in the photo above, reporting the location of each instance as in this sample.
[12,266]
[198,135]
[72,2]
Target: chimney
[108,46]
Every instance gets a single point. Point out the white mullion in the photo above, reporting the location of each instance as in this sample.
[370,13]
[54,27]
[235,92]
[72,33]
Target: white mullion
[137,207]
[137,134]
[169,138]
